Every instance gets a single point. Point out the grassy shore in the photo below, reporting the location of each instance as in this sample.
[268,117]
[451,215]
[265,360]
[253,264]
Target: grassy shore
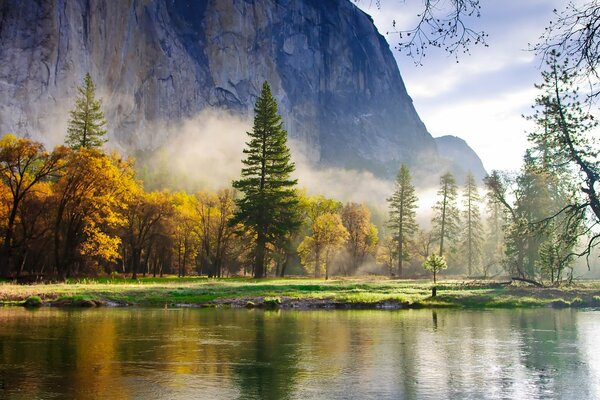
[298,293]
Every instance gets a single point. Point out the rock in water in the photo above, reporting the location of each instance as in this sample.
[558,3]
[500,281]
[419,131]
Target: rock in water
[156,62]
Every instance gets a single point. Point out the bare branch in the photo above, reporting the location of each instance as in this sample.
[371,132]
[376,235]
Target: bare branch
[441,24]
[575,34]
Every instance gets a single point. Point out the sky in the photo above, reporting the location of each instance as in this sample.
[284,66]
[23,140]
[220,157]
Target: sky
[482,97]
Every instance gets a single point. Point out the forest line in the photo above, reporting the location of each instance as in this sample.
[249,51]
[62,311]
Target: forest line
[78,211]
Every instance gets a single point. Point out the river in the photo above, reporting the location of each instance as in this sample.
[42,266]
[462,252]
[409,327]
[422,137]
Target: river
[136,353]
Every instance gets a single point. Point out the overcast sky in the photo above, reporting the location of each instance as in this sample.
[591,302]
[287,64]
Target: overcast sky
[481,98]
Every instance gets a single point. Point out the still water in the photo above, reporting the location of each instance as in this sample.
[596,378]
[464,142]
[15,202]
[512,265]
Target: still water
[254,354]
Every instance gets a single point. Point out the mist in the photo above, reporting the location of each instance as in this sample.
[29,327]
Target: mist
[204,152]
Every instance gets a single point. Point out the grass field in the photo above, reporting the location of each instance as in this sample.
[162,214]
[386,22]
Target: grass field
[363,292]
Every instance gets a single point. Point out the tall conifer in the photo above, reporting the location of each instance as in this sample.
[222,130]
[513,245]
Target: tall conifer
[403,204]
[269,205]
[472,228]
[86,126]
[446,214]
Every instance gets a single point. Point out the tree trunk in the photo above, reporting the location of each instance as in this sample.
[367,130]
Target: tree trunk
[6,252]
[259,261]
[443,228]
[317,260]
[135,262]
[534,283]
[327,265]
[401,236]
[285,264]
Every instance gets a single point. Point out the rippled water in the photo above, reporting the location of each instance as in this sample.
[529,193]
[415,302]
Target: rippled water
[253,354]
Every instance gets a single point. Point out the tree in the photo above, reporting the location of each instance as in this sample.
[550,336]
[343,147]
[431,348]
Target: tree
[144,213]
[329,235]
[534,223]
[403,204]
[90,199]
[446,214]
[386,254]
[435,264]
[472,230]
[564,133]
[494,243]
[441,24]
[186,233]
[215,211]
[23,165]
[573,38]
[362,238]
[269,206]
[86,123]
[312,247]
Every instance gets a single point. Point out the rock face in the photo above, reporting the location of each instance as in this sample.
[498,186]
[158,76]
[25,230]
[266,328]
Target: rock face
[462,157]
[159,61]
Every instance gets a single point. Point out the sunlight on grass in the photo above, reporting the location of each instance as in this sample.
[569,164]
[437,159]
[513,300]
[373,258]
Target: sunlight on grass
[363,290]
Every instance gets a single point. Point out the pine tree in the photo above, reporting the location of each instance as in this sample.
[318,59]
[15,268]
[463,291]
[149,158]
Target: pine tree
[473,230]
[403,204]
[269,206]
[446,214]
[565,141]
[86,124]
[495,241]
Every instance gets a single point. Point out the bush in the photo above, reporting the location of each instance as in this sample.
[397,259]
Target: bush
[33,301]
[272,302]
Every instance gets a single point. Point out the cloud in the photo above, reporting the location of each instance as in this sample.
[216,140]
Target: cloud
[480,98]
[495,127]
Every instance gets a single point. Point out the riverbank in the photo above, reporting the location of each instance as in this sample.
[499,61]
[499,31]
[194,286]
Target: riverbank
[298,293]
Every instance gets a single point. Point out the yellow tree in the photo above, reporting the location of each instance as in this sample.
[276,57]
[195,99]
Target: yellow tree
[32,231]
[186,230]
[314,207]
[144,213]
[23,164]
[362,238]
[216,234]
[90,200]
[329,235]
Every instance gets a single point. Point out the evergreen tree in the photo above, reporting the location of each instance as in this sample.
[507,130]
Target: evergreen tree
[565,138]
[86,123]
[403,204]
[446,214]
[473,230]
[269,206]
[494,241]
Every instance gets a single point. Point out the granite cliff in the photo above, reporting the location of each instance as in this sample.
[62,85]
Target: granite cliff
[159,61]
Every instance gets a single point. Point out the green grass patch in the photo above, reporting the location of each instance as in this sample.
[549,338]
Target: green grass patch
[33,301]
[351,291]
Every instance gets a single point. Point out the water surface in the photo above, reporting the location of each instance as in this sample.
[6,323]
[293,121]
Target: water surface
[254,354]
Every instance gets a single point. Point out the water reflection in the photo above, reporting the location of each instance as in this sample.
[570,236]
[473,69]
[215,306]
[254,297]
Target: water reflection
[252,354]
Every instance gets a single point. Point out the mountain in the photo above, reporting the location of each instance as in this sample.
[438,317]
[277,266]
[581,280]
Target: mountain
[156,62]
[462,158]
